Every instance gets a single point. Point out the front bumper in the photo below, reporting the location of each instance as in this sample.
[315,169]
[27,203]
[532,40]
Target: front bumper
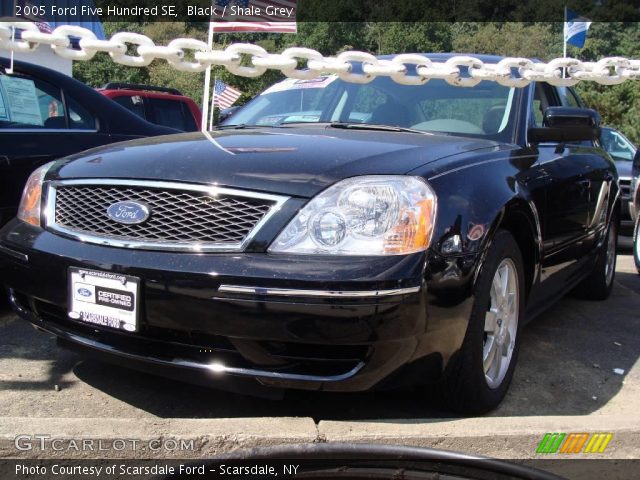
[342,324]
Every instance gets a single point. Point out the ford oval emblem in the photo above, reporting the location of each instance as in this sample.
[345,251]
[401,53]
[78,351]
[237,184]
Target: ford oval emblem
[128,212]
[85,292]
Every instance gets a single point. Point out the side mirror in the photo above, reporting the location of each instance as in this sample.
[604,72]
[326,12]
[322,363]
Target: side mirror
[566,124]
[636,159]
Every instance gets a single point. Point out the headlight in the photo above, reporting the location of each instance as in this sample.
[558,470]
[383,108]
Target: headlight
[368,215]
[29,209]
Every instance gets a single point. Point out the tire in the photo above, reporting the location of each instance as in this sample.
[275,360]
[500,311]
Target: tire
[467,386]
[598,285]
[636,243]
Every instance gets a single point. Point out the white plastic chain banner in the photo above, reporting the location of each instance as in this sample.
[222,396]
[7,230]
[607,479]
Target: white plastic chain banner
[305,63]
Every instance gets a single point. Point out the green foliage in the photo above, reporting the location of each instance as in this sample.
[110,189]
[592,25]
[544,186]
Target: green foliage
[619,105]
[101,69]
[162,73]
[393,37]
[507,39]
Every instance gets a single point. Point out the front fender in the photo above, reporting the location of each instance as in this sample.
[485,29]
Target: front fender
[475,199]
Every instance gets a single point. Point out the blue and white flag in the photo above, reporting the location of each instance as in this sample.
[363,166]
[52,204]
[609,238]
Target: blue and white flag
[575,29]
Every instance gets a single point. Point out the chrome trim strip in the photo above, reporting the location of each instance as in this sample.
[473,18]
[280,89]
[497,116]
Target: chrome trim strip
[219,368]
[212,367]
[213,190]
[14,253]
[316,293]
[178,362]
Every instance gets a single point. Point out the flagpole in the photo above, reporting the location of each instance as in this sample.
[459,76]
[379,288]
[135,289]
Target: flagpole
[13,39]
[564,41]
[564,34]
[207,85]
[213,103]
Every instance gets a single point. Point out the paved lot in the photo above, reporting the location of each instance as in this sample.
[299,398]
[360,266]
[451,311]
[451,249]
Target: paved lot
[565,382]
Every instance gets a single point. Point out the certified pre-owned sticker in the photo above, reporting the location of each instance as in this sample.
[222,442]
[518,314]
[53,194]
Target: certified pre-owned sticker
[114,298]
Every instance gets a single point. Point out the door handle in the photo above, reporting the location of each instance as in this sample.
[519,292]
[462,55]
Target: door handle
[4,161]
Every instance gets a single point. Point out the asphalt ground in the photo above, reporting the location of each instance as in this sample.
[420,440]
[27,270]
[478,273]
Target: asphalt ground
[578,371]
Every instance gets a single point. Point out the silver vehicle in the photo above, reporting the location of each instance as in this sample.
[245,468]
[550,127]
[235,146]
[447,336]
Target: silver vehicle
[622,151]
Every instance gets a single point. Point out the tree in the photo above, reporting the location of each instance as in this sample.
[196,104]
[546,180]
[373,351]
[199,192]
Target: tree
[102,69]
[507,39]
[619,105]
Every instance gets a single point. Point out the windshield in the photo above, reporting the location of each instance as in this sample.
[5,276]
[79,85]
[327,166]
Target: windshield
[486,110]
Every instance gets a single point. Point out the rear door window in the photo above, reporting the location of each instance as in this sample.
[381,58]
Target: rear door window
[31,103]
[170,113]
[544,97]
[79,117]
[133,103]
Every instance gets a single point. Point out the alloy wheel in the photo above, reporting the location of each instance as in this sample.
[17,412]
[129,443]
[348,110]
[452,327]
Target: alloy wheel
[501,323]
[611,255]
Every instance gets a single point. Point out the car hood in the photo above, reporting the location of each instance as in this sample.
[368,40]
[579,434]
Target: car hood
[290,161]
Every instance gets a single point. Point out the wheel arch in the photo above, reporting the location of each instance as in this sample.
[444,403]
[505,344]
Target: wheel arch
[520,218]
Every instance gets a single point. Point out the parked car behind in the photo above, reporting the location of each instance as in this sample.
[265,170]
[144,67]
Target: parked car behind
[46,115]
[159,105]
[319,252]
[623,152]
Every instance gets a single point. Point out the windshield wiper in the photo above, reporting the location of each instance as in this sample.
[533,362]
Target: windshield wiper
[371,126]
[240,126]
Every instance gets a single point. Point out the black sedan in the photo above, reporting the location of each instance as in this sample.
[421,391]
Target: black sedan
[46,115]
[331,236]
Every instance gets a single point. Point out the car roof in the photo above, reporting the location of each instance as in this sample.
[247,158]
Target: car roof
[37,70]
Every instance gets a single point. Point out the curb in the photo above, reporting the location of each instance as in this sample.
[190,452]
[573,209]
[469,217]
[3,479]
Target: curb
[510,437]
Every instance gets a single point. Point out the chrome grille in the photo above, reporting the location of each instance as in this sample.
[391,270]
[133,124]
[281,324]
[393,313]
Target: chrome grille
[182,216]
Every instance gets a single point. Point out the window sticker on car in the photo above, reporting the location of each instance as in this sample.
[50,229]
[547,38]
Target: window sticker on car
[22,100]
[295,84]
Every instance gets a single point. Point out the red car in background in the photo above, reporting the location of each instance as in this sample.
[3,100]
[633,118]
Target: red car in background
[159,105]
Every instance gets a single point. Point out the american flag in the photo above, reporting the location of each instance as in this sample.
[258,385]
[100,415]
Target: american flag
[224,95]
[263,22]
[44,27]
